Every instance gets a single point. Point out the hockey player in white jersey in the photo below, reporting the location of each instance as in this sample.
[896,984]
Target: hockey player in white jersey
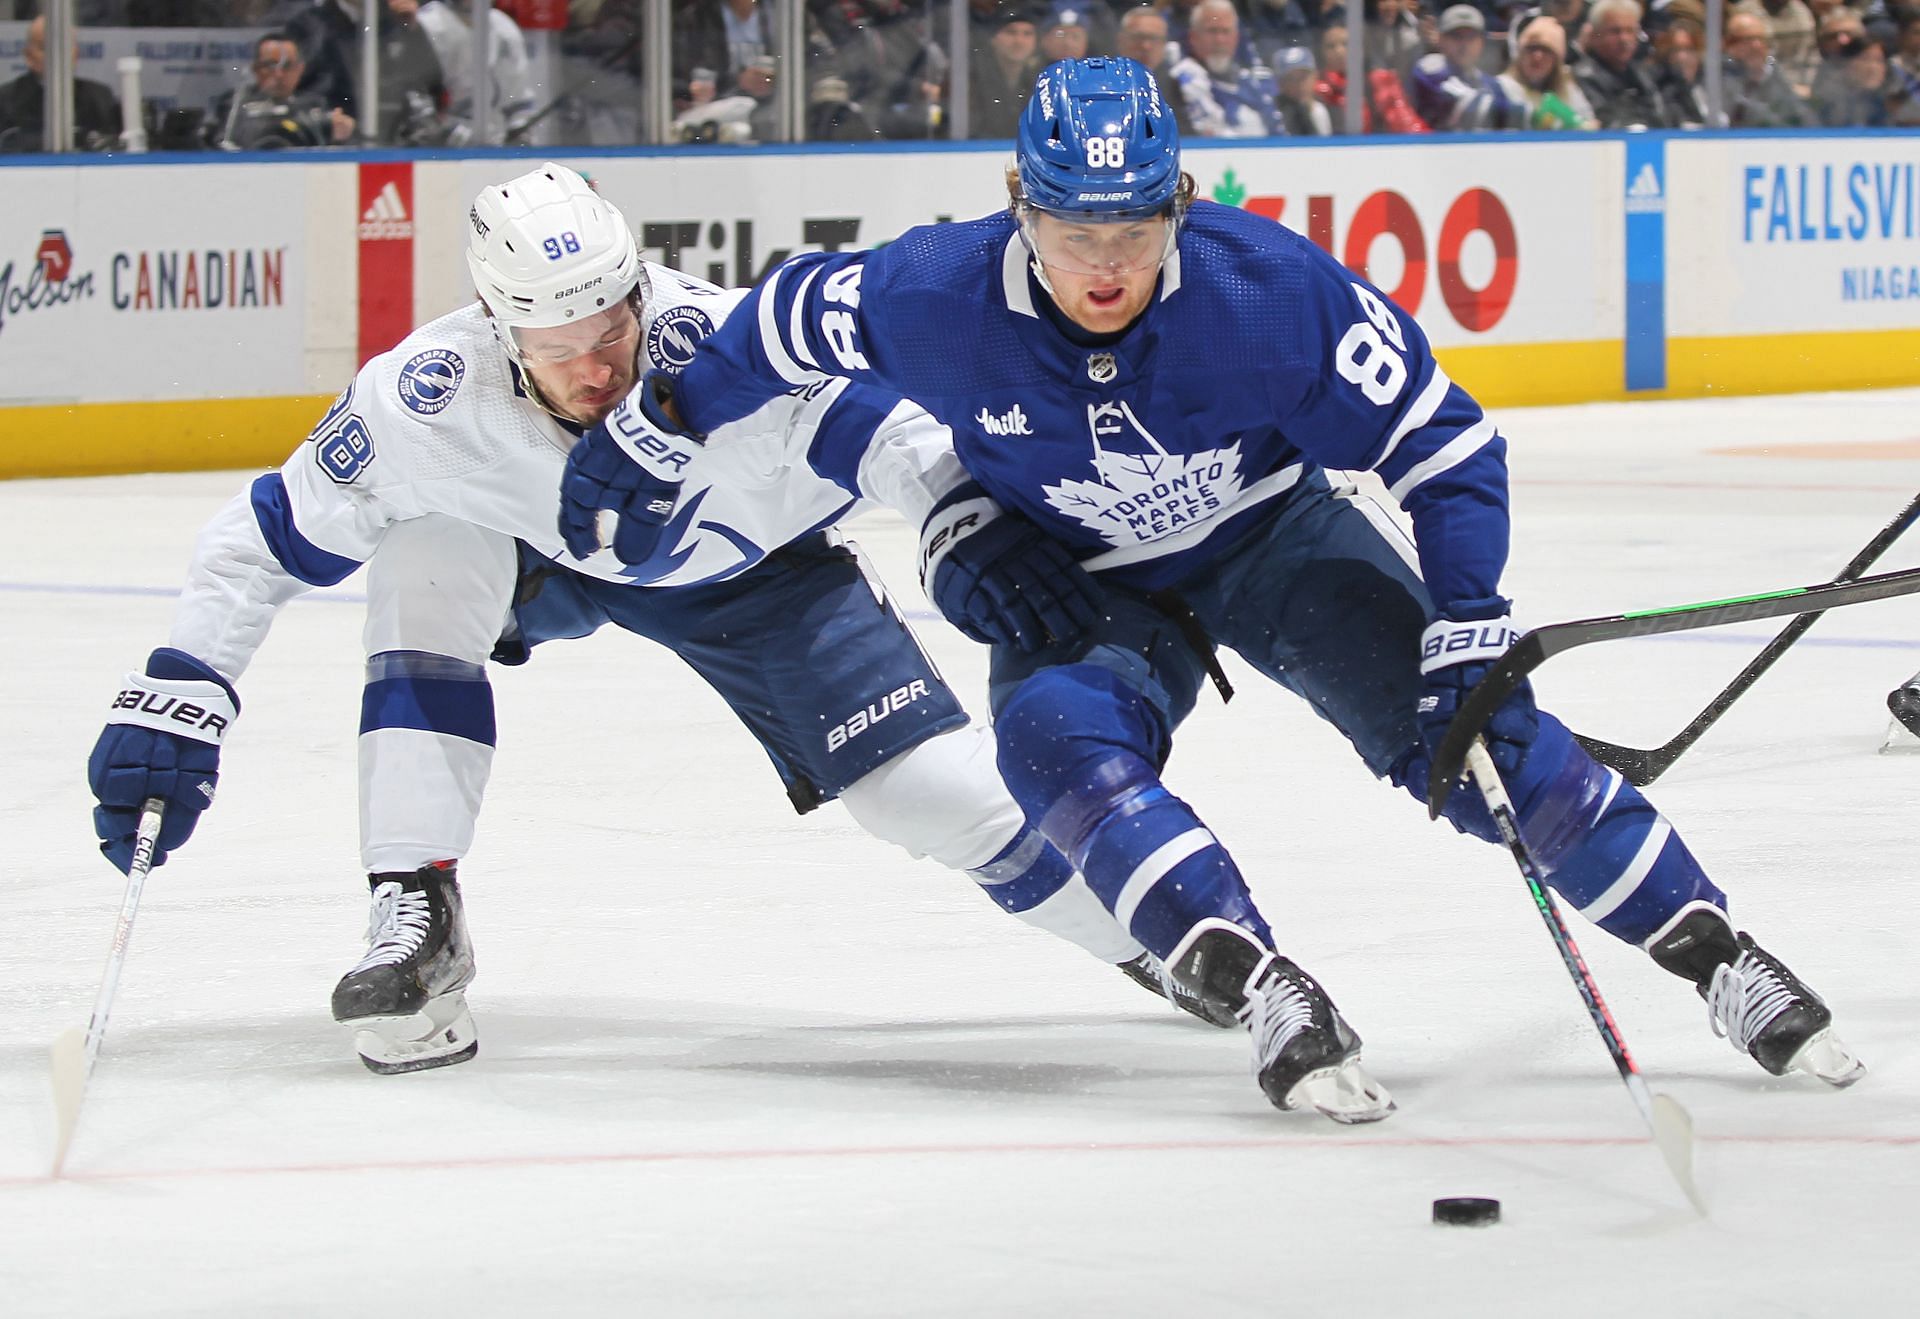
[438,468]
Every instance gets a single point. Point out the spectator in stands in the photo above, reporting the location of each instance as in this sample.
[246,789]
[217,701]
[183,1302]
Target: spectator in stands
[1393,36]
[1301,113]
[1791,25]
[270,112]
[1384,109]
[1224,97]
[1678,65]
[1449,88]
[1857,86]
[1618,84]
[1836,24]
[892,66]
[96,112]
[1757,95]
[1573,19]
[1276,25]
[1906,54]
[328,34]
[1000,78]
[1143,37]
[599,97]
[720,37]
[1502,16]
[413,87]
[1179,21]
[832,114]
[1065,36]
[1538,77]
[450,29]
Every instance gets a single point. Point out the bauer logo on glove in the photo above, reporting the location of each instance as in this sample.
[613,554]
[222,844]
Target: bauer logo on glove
[160,710]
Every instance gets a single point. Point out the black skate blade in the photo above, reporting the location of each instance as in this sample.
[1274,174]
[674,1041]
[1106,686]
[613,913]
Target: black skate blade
[379,1068]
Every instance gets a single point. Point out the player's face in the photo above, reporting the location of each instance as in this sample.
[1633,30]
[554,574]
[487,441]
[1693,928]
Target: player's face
[584,369]
[1102,275]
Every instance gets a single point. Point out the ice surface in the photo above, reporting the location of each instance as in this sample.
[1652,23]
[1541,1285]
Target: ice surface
[738,1063]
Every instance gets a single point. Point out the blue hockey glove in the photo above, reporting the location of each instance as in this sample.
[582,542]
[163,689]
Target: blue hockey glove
[1000,579]
[1455,653]
[632,463]
[162,739]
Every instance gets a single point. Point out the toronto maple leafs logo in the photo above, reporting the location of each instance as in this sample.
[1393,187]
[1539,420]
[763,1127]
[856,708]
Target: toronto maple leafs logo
[1141,492]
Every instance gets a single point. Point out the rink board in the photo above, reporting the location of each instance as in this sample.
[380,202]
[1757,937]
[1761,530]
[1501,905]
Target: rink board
[208,331]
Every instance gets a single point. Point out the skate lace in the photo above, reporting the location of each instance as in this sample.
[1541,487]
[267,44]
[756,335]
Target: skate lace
[1275,1014]
[1174,991]
[1743,998]
[396,927]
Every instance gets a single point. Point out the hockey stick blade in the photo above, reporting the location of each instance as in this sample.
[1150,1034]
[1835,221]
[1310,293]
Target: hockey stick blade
[1673,1137]
[1643,766]
[69,1088]
[1671,1128]
[1542,644]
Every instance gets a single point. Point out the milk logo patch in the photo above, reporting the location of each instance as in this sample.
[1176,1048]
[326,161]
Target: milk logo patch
[429,379]
[674,334]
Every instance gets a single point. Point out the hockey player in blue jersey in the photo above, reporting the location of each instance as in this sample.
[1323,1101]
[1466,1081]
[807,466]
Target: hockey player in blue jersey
[1145,391]
[438,469]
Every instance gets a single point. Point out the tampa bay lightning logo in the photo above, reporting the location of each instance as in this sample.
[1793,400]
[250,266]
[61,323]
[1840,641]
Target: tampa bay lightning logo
[674,334]
[429,379]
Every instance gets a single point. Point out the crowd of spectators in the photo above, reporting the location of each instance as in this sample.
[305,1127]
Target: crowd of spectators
[1272,68]
[882,69]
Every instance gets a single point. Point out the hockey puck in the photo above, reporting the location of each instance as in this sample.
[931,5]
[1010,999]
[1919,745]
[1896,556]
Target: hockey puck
[1466,1211]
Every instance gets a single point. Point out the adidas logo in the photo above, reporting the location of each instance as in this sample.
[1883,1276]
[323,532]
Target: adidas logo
[387,217]
[1643,194]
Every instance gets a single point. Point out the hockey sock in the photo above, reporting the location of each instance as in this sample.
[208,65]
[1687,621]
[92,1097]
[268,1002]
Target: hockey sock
[1097,797]
[426,750]
[1604,846]
[1031,880]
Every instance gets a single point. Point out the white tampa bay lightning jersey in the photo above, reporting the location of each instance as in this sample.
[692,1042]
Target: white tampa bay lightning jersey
[441,425]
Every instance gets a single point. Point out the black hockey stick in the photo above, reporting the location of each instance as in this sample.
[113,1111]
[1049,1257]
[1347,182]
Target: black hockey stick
[1643,767]
[1670,1124]
[1541,644]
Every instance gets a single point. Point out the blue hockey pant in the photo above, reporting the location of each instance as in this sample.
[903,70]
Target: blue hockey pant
[1324,599]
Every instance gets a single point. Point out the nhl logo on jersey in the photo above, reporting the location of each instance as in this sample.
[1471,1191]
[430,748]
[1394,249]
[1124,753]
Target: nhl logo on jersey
[429,379]
[1101,368]
[674,334]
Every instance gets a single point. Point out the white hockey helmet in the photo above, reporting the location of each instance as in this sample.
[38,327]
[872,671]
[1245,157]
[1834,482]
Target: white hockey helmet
[546,249]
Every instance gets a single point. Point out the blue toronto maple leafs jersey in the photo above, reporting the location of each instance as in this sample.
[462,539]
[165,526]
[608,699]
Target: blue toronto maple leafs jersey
[1260,361]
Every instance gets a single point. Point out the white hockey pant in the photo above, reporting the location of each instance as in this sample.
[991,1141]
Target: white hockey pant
[439,592]
[944,799]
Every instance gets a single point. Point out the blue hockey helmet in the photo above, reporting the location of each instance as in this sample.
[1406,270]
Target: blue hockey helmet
[1098,142]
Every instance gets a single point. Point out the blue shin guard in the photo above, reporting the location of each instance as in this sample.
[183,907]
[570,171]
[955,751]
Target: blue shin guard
[1606,850]
[1097,796]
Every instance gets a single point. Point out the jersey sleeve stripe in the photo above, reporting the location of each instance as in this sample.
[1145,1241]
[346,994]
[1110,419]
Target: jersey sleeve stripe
[796,323]
[1419,414]
[771,340]
[299,556]
[1456,451]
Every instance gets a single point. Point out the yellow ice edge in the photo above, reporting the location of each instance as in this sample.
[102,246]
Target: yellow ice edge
[96,439]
